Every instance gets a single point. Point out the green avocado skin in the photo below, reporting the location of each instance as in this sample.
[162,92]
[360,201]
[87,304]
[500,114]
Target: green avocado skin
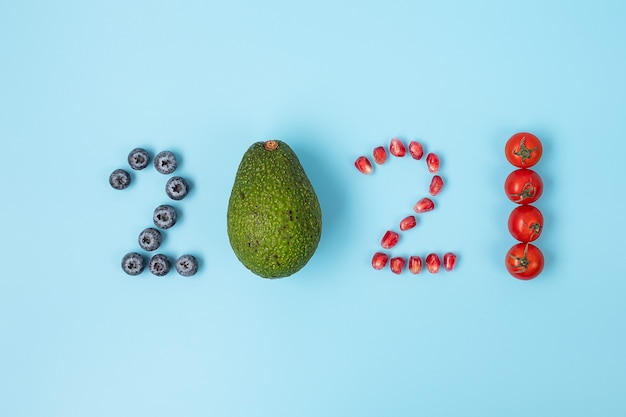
[274,218]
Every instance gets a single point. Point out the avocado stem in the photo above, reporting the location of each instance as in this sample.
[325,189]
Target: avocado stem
[270,145]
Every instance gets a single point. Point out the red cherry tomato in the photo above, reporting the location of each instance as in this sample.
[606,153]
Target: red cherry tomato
[523,186]
[525,223]
[523,150]
[524,261]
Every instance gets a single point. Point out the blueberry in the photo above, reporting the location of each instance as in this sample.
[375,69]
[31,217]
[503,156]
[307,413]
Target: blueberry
[133,263]
[138,159]
[119,179]
[165,162]
[159,265]
[187,265]
[150,239]
[164,216]
[177,188]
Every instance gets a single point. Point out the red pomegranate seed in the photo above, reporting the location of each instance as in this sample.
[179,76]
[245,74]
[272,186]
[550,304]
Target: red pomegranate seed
[436,184]
[364,165]
[397,148]
[380,155]
[415,264]
[416,150]
[425,204]
[449,261]
[397,264]
[407,223]
[390,239]
[433,263]
[432,162]
[379,260]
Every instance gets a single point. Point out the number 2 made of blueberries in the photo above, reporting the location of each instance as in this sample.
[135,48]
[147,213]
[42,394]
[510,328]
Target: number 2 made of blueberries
[164,217]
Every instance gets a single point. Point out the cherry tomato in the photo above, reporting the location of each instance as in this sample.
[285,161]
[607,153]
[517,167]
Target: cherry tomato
[524,261]
[523,186]
[525,223]
[523,150]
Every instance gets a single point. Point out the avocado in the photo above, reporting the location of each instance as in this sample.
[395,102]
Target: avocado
[274,218]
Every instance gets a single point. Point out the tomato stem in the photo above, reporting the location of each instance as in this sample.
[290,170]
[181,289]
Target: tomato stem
[528,191]
[536,228]
[523,262]
[524,152]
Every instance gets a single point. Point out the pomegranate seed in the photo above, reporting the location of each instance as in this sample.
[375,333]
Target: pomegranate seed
[407,223]
[390,239]
[432,162]
[449,261]
[397,264]
[363,165]
[397,148]
[416,150]
[379,260]
[433,263]
[415,264]
[425,204]
[436,184]
[380,155]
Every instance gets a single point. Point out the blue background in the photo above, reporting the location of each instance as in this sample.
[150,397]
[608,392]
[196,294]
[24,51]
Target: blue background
[82,83]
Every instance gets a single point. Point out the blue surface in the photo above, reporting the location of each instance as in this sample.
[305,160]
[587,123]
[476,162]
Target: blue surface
[82,83]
